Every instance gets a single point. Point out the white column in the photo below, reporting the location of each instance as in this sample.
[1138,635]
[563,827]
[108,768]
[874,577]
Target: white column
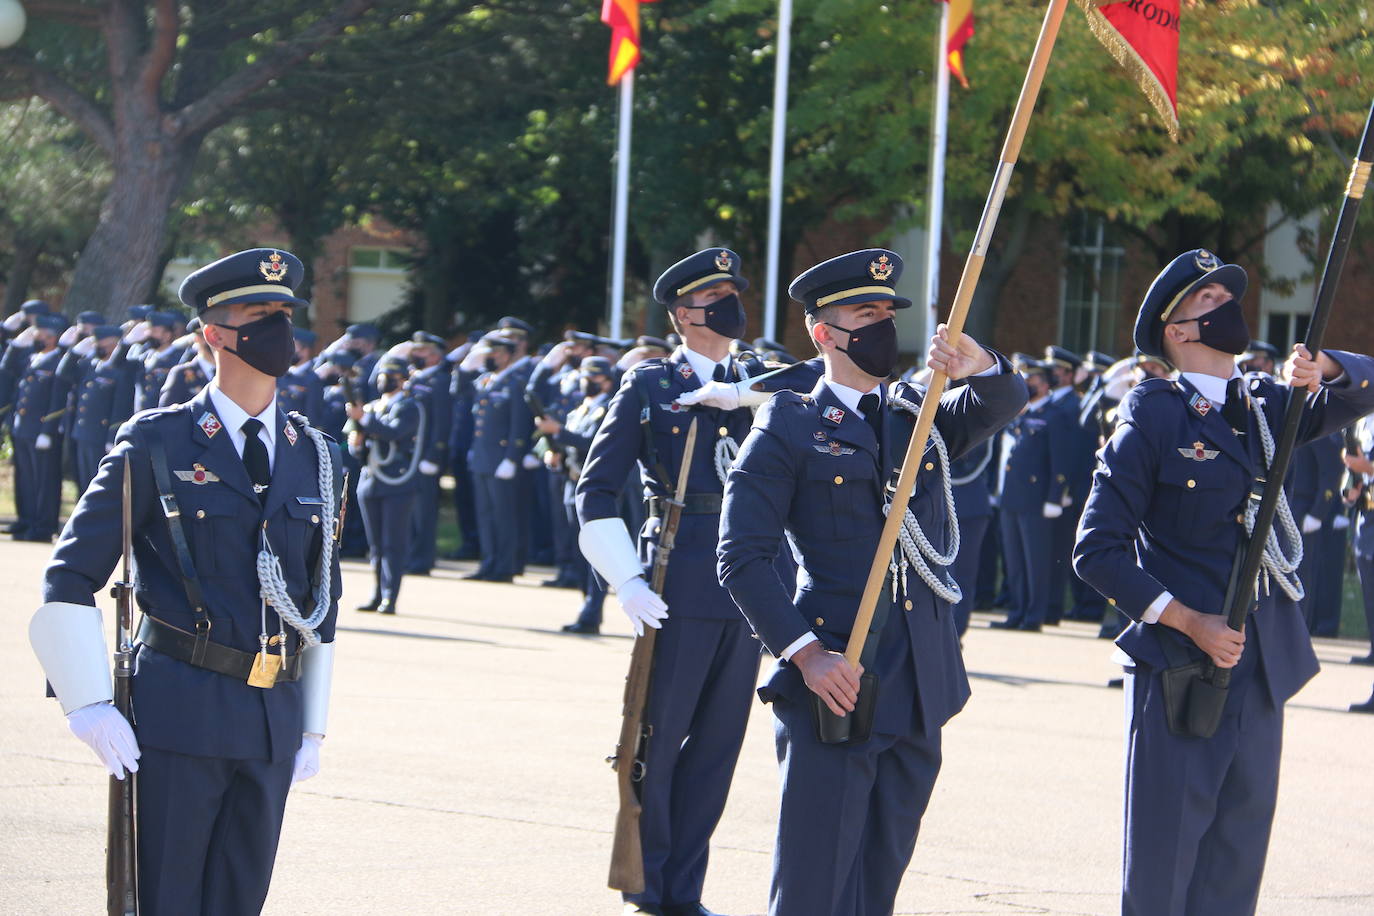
[622,204]
[780,73]
[935,199]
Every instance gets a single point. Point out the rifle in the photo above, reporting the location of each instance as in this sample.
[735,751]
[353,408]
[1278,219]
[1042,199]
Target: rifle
[1350,481]
[121,866]
[351,427]
[1207,697]
[630,760]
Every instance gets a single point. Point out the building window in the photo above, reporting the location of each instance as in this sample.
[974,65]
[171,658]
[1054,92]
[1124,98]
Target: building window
[377,280]
[392,260]
[1090,286]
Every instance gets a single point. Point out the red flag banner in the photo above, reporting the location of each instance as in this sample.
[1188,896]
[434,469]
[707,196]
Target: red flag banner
[1143,37]
[960,31]
[623,18]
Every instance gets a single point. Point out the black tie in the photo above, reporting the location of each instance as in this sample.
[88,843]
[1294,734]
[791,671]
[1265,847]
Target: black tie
[1234,409]
[719,374]
[872,407]
[255,457]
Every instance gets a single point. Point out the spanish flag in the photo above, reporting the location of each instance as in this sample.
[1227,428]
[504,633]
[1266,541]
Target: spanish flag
[623,18]
[960,31]
[1143,37]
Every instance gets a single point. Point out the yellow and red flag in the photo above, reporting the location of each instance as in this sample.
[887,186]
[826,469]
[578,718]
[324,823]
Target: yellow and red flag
[623,18]
[960,31]
[1143,37]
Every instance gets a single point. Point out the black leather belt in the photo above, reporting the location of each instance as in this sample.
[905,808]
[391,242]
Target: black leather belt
[181,645]
[693,504]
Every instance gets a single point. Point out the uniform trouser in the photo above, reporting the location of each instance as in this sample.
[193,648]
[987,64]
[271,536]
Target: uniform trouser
[497,502]
[1365,567]
[1329,581]
[527,500]
[966,564]
[354,542]
[703,684]
[425,524]
[88,455]
[465,503]
[207,832]
[565,552]
[1061,532]
[25,484]
[849,817]
[1199,810]
[1026,544]
[388,534]
[989,567]
[593,589]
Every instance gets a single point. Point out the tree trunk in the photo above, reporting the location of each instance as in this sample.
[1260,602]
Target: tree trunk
[120,261]
[26,252]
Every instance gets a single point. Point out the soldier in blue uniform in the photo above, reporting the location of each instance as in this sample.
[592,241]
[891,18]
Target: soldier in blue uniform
[300,389]
[462,394]
[35,430]
[431,381]
[1260,356]
[500,439]
[337,368]
[816,470]
[230,692]
[705,659]
[971,476]
[389,443]
[188,377]
[103,395]
[1164,522]
[572,438]
[1315,498]
[362,339]
[1033,488]
[155,351]
[1360,495]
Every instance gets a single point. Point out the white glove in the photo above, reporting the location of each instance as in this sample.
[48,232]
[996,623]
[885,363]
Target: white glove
[505,470]
[14,322]
[529,462]
[108,733]
[1310,523]
[138,333]
[401,350]
[641,605]
[25,337]
[721,395]
[1052,510]
[69,336]
[428,468]
[307,758]
[1340,522]
[1066,501]
[43,442]
[85,346]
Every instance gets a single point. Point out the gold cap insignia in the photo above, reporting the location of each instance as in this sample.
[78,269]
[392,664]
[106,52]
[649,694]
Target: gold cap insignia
[882,268]
[724,261]
[274,268]
[1205,260]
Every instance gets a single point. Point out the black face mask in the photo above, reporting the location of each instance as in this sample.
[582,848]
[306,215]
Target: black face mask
[872,348]
[725,316]
[591,388]
[268,344]
[1223,328]
[387,383]
[418,362]
[489,364]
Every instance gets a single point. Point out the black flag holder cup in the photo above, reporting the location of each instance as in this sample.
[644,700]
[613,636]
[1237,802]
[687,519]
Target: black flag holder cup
[1206,694]
[868,620]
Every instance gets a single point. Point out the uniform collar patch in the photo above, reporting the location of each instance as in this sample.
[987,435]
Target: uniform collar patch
[198,475]
[290,432]
[832,414]
[1200,404]
[1198,452]
[209,424]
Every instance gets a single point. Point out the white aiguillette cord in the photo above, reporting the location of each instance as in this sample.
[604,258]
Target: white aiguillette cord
[916,548]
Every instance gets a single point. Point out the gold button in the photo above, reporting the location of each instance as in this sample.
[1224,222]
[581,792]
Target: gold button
[1191,484]
[676,430]
[1364,384]
[1060,478]
[1032,478]
[314,519]
[930,465]
[838,480]
[820,621]
[908,604]
[1112,602]
[200,513]
[503,442]
[1328,494]
[724,431]
[1240,520]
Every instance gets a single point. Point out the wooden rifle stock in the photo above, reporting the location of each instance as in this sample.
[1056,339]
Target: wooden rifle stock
[121,866]
[630,760]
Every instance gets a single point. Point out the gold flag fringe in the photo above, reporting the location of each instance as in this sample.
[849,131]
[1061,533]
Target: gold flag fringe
[1126,55]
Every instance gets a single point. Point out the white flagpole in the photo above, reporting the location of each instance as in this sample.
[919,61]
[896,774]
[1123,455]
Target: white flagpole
[936,197]
[622,203]
[780,73]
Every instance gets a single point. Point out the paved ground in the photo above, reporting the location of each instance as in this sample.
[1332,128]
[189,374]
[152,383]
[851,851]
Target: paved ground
[464,774]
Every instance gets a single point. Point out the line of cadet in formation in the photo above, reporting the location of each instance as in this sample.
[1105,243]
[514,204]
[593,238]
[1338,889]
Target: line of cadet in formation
[513,427]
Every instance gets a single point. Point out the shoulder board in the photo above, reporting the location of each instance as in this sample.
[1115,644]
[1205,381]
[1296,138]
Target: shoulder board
[153,414]
[1150,386]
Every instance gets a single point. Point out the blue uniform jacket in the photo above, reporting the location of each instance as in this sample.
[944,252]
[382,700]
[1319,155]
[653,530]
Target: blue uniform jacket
[501,421]
[1316,479]
[155,369]
[1035,460]
[394,427]
[300,389]
[644,424]
[103,395]
[185,382]
[37,393]
[178,707]
[463,395]
[1364,503]
[812,467]
[972,477]
[432,387]
[1164,512]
